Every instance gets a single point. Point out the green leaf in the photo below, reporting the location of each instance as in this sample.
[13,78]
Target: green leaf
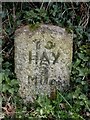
[77,63]
[11,90]
[81,56]
[41,112]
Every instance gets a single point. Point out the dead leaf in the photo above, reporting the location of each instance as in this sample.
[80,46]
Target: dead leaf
[9,109]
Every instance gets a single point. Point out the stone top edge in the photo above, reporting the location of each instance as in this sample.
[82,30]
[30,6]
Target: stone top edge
[43,27]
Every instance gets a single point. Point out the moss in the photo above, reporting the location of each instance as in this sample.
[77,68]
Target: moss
[33,27]
[68,30]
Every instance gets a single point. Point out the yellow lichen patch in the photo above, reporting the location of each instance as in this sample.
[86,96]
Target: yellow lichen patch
[33,27]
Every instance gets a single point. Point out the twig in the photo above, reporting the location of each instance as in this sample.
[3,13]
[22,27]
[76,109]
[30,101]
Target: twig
[9,19]
[10,50]
[66,10]
[42,5]
[48,5]
[14,16]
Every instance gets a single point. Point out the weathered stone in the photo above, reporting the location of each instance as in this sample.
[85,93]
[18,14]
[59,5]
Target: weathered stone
[42,59]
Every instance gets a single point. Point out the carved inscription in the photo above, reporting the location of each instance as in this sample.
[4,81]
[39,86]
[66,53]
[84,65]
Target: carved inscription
[43,61]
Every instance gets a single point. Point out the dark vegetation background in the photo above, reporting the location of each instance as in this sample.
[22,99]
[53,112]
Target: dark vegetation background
[73,104]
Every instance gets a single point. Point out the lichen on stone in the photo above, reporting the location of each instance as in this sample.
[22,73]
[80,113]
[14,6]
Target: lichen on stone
[42,55]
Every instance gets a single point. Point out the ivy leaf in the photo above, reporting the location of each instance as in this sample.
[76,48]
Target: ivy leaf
[77,63]
[81,56]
